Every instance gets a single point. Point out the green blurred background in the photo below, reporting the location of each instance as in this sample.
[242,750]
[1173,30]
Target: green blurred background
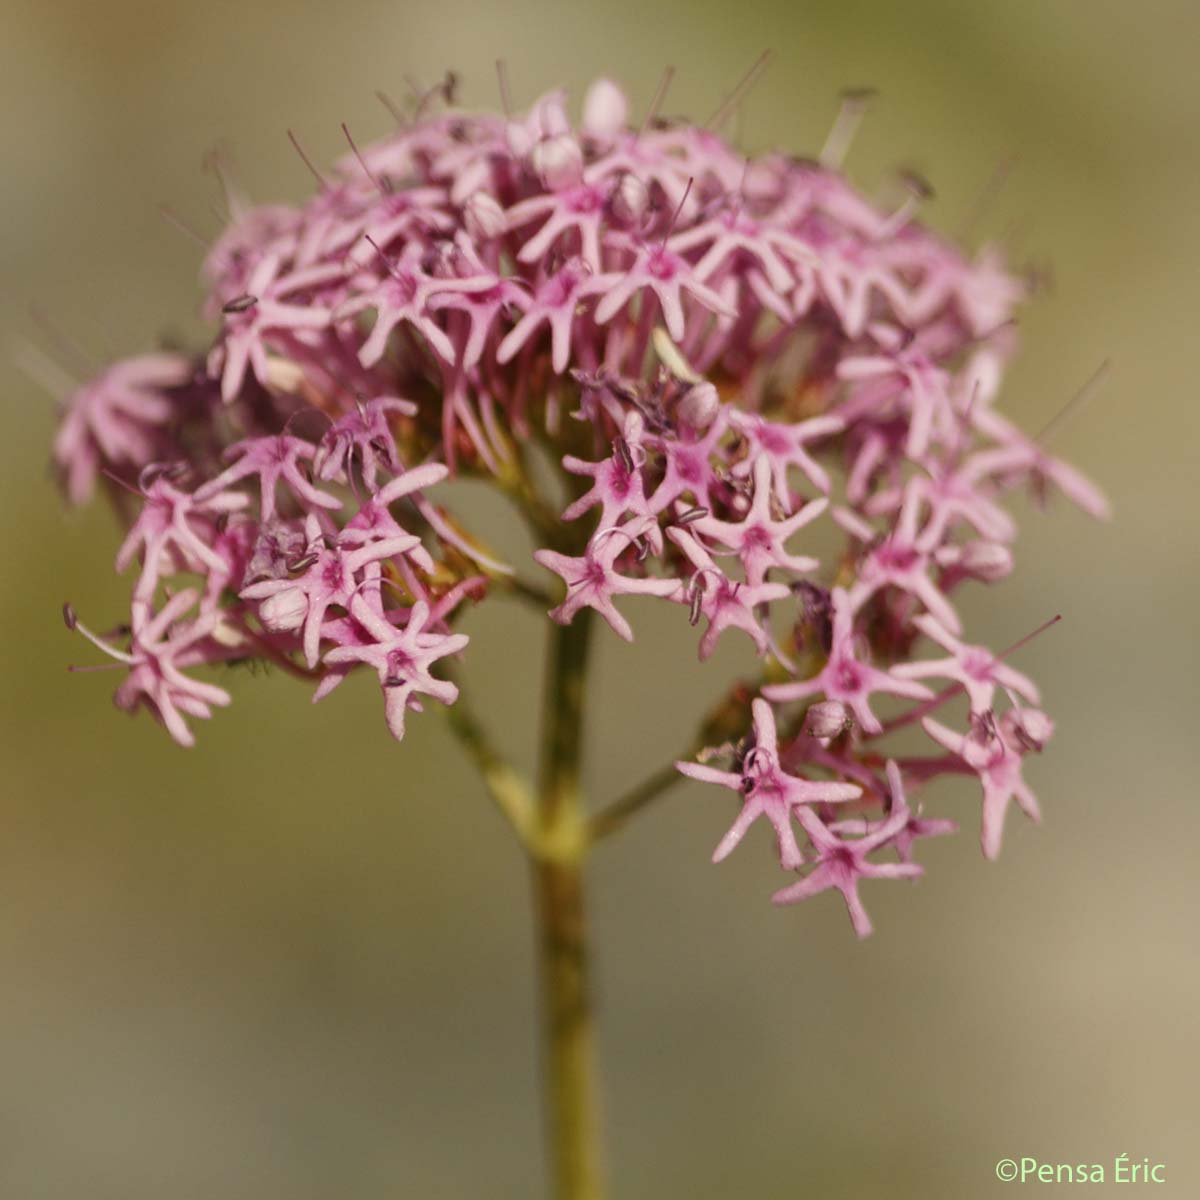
[295,962]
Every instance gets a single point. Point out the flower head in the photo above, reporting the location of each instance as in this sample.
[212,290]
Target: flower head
[766,401]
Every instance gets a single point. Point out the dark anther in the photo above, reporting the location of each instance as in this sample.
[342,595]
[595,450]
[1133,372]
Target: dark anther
[240,303]
[697,601]
[70,620]
[695,513]
[622,451]
[916,183]
[859,95]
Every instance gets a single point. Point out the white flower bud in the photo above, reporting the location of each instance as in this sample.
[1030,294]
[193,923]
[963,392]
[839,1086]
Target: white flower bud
[557,161]
[629,200]
[285,611]
[826,719]
[520,140]
[987,561]
[699,406]
[483,216]
[1030,728]
[605,110]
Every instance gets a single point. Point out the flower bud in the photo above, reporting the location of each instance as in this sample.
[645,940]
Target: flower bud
[826,719]
[520,140]
[1030,728]
[557,161]
[483,216]
[699,406]
[629,200]
[605,110]
[285,611]
[986,561]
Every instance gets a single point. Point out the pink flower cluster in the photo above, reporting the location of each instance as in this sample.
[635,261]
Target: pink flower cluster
[721,352]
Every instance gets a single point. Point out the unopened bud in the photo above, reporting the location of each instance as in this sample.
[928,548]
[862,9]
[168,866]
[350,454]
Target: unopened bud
[987,561]
[630,200]
[605,110]
[1029,727]
[826,719]
[699,406]
[483,216]
[557,161]
[285,611]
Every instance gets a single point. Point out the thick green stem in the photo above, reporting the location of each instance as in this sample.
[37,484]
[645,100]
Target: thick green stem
[557,862]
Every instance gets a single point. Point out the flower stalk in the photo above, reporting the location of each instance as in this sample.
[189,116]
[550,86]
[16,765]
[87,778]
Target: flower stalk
[558,853]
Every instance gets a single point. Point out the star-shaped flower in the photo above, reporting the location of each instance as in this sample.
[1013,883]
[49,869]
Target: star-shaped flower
[767,790]
[330,578]
[402,658]
[759,538]
[161,648]
[844,677]
[269,309]
[115,419]
[668,276]
[593,580]
[402,296]
[725,603]
[785,446]
[993,751]
[975,667]
[841,863]
[272,459]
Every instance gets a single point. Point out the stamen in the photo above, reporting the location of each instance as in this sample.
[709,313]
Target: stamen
[240,303]
[1080,398]
[505,94]
[918,190]
[695,513]
[76,625]
[854,105]
[660,94]
[679,208]
[175,219]
[112,475]
[936,701]
[738,94]
[66,346]
[308,161]
[362,162]
[621,450]
[392,107]
[987,194]
[387,262]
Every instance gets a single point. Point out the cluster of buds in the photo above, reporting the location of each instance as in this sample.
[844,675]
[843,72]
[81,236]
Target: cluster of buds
[719,352]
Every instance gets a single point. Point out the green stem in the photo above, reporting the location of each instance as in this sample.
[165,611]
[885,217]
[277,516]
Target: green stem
[557,861]
[613,818]
[507,788]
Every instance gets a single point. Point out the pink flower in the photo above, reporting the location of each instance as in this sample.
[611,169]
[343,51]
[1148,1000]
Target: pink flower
[845,677]
[751,394]
[402,658]
[767,790]
[840,863]
[117,419]
[758,538]
[593,580]
[994,752]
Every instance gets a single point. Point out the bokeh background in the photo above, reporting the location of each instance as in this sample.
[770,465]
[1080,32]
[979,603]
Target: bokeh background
[295,962]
